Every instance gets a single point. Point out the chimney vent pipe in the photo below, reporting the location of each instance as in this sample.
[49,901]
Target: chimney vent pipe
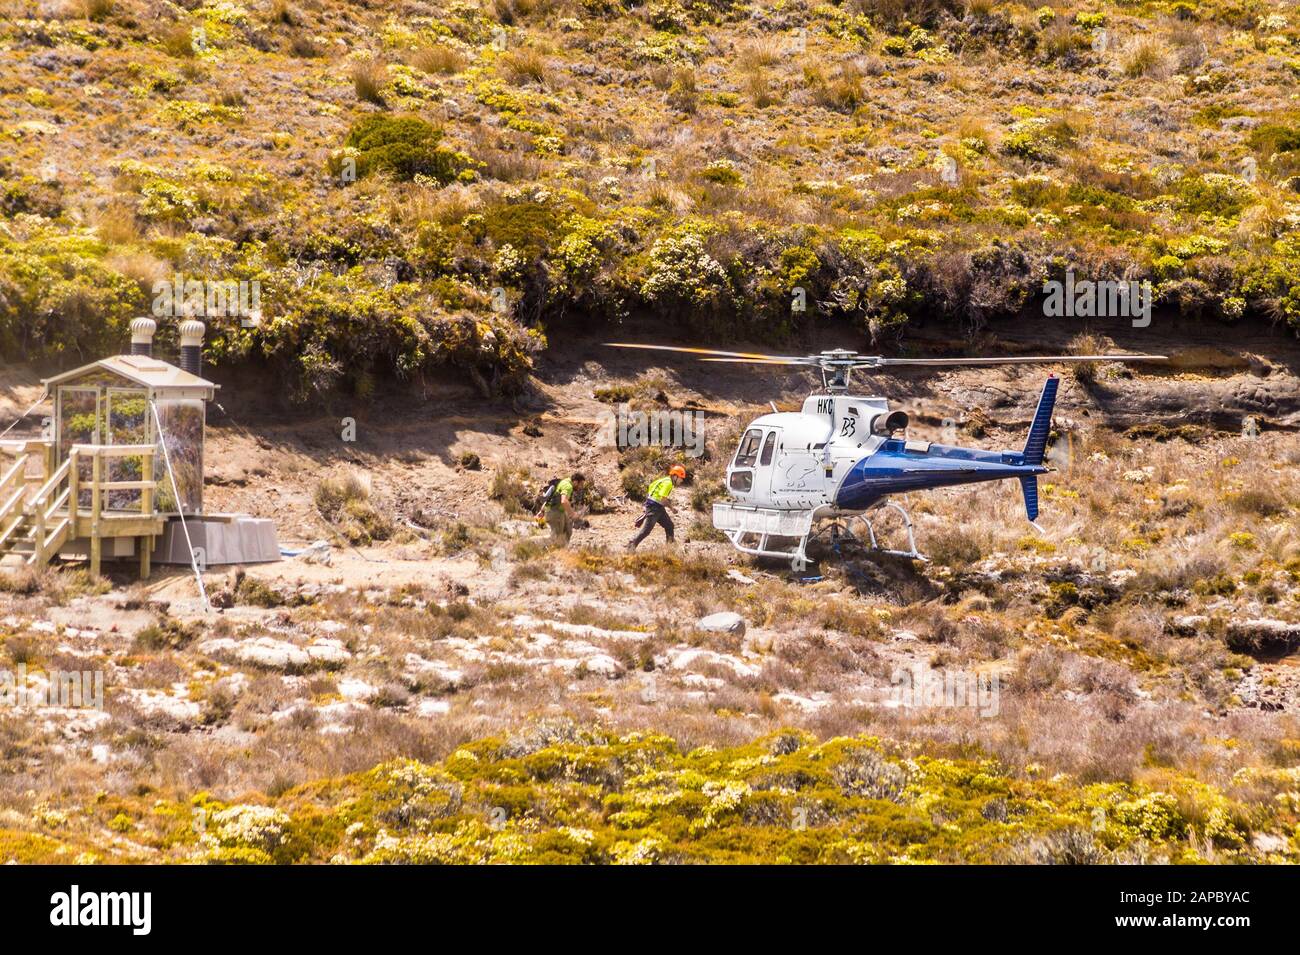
[142,330]
[192,346]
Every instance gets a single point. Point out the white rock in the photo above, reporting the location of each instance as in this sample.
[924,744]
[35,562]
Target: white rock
[724,622]
[76,721]
[806,703]
[700,681]
[577,629]
[1188,625]
[435,668]
[353,689]
[329,652]
[234,684]
[318,552]
[599,663]
[1267,842]
[156,703]
[517,528]
[603,664]
[277,654]
[432,707]
[681,658]
[99,753]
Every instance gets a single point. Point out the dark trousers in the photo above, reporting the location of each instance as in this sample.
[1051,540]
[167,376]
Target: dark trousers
[655,513]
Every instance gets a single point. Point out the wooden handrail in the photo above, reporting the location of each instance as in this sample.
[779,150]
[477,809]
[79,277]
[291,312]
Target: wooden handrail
[58,503]
[115,450]
[25,445]
[17,472]
[55,480]
[12,503]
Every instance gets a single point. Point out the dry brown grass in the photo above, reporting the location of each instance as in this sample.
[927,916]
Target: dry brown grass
[524,65]
[141,267]
[761,90]
[178,40]
[95,9]
[843,92]
[368,79]
[1085,344]
[282,11]
[437,58]
[1146,58]
[762,53]
[116,223]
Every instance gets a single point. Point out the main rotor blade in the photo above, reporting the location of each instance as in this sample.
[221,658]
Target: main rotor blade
[703,351]
[1018,360]
[763,361]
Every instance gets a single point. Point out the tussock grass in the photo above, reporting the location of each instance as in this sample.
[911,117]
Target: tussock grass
[438,58]
[368,79]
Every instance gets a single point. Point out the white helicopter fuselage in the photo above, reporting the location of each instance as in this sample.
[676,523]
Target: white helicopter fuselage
[794,461]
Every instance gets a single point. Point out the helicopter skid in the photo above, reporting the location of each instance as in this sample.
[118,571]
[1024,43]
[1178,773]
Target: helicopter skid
[752,530]
[739,523]
[911,552]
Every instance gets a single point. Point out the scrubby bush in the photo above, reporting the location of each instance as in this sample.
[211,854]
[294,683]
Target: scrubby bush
[402,146]
[344,501]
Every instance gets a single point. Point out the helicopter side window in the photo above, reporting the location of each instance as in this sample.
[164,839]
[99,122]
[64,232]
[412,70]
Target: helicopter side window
[747,453]
[768,447]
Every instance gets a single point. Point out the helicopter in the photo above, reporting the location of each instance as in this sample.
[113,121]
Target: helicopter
[802,476]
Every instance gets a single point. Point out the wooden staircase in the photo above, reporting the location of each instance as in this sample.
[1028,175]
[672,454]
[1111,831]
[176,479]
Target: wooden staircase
[37,525]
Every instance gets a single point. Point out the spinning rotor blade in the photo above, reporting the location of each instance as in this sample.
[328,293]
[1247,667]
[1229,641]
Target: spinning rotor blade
[1016,360]
[840,362]
[706,351]
[763,361]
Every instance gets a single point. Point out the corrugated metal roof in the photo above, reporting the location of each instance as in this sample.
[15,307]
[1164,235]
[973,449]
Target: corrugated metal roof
[142,370]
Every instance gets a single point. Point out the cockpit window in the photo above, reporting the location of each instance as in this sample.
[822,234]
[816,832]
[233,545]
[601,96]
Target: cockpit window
[747,453]
[768,447]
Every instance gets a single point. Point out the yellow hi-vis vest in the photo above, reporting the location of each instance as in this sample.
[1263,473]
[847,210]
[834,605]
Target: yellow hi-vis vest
[660,489]
[562,490]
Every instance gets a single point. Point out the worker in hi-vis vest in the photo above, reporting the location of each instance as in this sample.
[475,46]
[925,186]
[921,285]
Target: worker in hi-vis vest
[656,511]
[558,506]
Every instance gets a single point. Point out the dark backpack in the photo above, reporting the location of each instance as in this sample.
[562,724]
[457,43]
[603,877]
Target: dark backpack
[548,492]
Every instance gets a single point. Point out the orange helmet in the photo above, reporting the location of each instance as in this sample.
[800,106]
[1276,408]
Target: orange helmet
[678,472]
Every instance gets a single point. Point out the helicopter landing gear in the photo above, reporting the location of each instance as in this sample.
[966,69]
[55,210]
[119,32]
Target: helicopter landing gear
[836,533]
[911,551]
[767,532]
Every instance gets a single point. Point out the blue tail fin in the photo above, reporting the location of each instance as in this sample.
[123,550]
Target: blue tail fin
[1036,443]
[1029,485]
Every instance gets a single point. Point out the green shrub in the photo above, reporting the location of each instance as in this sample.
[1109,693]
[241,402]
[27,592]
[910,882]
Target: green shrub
[1213,194]
[404,147]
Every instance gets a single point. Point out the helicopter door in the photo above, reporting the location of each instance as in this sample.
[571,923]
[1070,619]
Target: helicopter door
[741,478]
[764,472]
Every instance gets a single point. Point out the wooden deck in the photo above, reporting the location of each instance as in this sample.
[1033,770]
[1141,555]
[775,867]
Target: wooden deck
[39,523]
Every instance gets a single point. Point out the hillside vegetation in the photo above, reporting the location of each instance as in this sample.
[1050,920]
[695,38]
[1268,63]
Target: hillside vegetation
[421,184]
[639,800]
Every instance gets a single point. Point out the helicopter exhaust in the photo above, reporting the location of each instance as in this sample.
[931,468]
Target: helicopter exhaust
[887,424]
